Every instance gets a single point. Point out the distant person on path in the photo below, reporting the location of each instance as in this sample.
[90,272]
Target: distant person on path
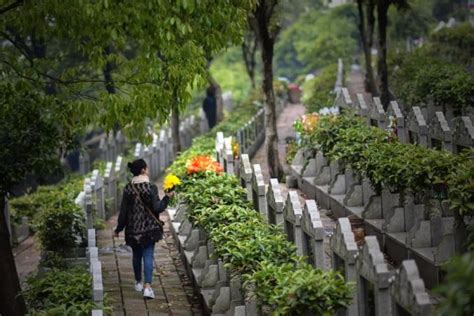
[139,215]
[210,106]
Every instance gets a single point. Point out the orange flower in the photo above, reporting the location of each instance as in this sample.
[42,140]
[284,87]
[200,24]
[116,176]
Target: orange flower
[203,163]
[309,122]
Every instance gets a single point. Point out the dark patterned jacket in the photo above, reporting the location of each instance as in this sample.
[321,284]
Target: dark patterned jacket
[140,227]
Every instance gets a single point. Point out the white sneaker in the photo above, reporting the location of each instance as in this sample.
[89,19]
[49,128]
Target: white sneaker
[138,286]
[148,293]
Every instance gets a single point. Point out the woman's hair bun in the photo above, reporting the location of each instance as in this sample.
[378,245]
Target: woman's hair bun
[136,166]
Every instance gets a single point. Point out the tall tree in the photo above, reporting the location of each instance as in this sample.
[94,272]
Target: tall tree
[267,28]
[382,22]
[366,36]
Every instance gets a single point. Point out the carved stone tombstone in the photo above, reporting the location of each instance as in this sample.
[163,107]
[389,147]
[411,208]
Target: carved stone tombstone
[417,127]
[377,113]
[463,135]
[292,213]
[373,276]
[275,203]
[362,108]
[97,186]
[395,113]
[440,133]
[228,156]
[245,170]
[313,235]
[258,192]
[344,251]
[408,292]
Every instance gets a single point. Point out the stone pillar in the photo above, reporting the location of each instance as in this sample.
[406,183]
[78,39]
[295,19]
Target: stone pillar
[292,213]
[258,192]
[313,233]
[275,203]
[245,170]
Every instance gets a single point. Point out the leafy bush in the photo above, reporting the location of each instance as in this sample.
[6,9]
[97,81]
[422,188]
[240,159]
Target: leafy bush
[60,227]
[457,289]
[296,291]
[318,38]
[60,293]
[387,163]
[318,91]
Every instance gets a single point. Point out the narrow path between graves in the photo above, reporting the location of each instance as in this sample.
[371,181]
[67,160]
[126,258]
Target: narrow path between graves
[173,290]
[286,130]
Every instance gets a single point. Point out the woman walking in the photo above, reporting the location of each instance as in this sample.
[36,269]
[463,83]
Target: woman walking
[139,215]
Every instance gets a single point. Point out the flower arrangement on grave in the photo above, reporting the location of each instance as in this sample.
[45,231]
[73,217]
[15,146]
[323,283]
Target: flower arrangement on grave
[307,123]
[202,163]
[235,148]
[171,182]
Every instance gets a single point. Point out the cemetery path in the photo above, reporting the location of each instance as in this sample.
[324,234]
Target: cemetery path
[174,294]
[285,130]
[355,83]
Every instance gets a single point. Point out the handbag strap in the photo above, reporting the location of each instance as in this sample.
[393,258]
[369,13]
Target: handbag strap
[145,206]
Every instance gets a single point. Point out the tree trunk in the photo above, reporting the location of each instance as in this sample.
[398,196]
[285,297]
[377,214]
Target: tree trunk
[219,99]
[175,128]
[271,135]
[107,71]
[370,44]
[12,302]
[369,75]
[249,48]
[382,9]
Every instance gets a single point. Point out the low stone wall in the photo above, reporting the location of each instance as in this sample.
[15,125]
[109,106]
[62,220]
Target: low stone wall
[405,229]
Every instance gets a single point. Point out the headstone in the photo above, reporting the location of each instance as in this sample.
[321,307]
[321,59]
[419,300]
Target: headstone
[362,109]
[245,170]
[373,276]
[344,250]
[112,147]
[377,113]
[292,213]
[84,162]
[463,134]
[417,127]
[408,293]
[103,149]
[440,133]
[110,182]
[258,192]
[219,145]
[97,185]
[394,112]
[275,203]
[313,235]
[228,155]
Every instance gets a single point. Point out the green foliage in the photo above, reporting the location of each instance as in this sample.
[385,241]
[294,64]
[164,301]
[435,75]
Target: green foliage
[60,292]
[28,135]
[439,69]
[228,69]
[413,22]
[387,163]
[317,92]
[317,39]
[291,149]
[296,291]
[43,199]
[154,52]
[458,287]
[59,227]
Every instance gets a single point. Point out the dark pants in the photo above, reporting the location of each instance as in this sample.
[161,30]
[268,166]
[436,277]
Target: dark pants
[145,253]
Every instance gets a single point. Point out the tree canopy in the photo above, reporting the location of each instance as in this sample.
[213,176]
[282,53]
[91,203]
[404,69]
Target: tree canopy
[153,51]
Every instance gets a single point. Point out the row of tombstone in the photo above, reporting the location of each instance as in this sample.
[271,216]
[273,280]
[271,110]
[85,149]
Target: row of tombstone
[220,293]
[394,292]
[95,270]
[405,227]
[252,135]
[428,126]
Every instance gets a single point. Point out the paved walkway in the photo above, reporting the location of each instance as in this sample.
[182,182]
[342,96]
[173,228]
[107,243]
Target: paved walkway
[173,290]
[27,257]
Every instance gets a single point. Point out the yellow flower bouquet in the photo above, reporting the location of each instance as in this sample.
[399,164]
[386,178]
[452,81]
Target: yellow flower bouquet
[171,182]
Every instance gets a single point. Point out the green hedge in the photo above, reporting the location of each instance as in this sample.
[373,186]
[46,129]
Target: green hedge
[250,246]
[317,92]
[375,154]
[60,292]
